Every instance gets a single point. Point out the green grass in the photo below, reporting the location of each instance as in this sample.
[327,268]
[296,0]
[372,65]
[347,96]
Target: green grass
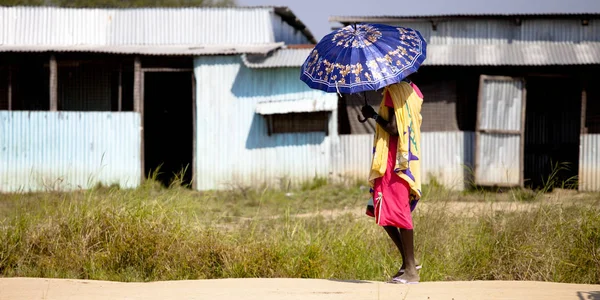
[152,233]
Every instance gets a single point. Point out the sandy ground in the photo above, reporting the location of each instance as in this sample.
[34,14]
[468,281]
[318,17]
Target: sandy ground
[283,289]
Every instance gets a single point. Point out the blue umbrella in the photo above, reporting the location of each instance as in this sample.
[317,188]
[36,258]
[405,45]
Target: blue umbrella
[363,57]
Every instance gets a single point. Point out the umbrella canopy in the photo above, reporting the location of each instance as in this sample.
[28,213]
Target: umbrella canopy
[363,57]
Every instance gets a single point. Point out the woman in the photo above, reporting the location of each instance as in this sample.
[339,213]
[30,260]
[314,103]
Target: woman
[395,176]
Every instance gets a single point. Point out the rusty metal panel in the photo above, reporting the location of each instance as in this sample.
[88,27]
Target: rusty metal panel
[589,163]
[68,150]
[233,145]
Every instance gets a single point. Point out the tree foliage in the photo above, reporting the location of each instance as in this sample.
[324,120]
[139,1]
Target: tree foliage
[118,3]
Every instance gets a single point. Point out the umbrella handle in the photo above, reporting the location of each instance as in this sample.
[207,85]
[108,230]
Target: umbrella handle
[363,120]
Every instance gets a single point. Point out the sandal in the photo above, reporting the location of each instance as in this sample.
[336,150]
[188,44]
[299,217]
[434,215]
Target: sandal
[402,281]
[401,271]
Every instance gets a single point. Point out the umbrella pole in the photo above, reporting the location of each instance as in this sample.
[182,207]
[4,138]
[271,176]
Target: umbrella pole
[366,103]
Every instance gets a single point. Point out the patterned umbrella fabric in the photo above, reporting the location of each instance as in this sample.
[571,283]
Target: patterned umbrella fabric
[363,57]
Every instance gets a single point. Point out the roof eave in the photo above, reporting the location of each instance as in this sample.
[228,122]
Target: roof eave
[289,17]
[346,20]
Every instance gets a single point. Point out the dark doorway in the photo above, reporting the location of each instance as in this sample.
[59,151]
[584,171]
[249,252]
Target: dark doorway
[168,126]
[552,128]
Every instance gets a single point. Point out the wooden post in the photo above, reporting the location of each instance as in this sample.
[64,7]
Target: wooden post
[9,88]
[583,128]
[53,84]
[194,181]
[137,78]
[523,118]
[120,97]
[138,81]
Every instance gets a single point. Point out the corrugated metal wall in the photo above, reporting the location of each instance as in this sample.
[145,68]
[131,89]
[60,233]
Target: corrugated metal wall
[589,163]
[68,150]
[233,146]
[447,157]
[500,31]
[148,26]
[355,155]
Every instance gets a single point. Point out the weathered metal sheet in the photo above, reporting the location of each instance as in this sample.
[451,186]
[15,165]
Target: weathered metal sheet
[233,145]
[531,54]
[297,106]
[501,105]
[394,18]
[277,59]
[498,160]
[451,167]
[150,50]
[447,157]
[93,29]
[499,153]
[355,156]
[500,42]
[458,30]
[589,163]
[68,150]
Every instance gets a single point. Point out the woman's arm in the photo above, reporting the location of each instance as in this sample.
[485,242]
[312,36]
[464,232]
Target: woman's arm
[389,126]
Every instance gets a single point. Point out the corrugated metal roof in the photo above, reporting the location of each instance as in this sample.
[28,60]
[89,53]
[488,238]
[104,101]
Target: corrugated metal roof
[278,59]
[296,106]
[504,31]
[392,18]
[531,54]
[97,27]
[153,50]
[538,54]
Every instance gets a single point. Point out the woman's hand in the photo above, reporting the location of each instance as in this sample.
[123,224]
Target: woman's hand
[368,111]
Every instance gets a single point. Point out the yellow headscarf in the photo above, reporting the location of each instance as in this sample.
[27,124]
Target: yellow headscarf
[407,107]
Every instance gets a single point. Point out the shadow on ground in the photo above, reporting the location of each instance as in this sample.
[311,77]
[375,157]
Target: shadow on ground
[349,281]
[592,295]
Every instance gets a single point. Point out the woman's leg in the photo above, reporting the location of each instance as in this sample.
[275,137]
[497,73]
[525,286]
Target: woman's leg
[394,234]
[410,271]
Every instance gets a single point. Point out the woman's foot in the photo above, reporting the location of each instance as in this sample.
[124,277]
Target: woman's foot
[409,277]
[401,271]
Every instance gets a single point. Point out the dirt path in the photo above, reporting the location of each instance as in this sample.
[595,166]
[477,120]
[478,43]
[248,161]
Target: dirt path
[282,289]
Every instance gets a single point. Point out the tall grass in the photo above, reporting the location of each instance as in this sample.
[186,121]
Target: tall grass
[152,233]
